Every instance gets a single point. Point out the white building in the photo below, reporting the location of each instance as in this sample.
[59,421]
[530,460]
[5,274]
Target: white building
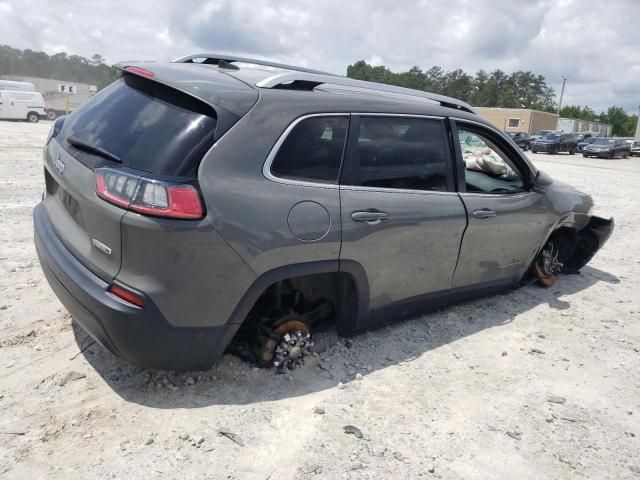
[573,125]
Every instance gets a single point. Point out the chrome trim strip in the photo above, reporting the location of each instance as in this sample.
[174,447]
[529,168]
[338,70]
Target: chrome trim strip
[410,115]
[359,188]
[496,195]
[101,246]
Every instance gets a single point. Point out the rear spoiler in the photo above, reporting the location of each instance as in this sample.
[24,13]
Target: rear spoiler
[230,98]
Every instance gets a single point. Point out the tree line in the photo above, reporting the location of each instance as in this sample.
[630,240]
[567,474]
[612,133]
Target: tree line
[493,89]
[483,89]
[60,66]
[623,124]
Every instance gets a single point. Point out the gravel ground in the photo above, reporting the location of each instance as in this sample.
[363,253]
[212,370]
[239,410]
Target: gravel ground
[533,384]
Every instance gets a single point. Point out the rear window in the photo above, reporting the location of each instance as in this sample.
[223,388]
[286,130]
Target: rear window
[313,150]
[149,126]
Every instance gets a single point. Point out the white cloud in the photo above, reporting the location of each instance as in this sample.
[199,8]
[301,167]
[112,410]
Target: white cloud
[375,60]
[596,44]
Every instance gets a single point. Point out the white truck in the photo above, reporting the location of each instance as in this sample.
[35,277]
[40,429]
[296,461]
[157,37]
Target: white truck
[21,101]
[60,96]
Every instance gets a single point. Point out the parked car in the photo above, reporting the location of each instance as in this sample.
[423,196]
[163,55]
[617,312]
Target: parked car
[585,142]
[521,139]
[607,148]
[554,143]
[581,137]
[191,206]
[540,134]
[635,149]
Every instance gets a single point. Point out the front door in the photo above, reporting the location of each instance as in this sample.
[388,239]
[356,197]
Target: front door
[401,218]
[507,220]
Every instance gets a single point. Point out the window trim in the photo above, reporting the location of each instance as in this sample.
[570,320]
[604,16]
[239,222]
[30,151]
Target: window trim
[349,161]
[509,121]
[527,168]
[266,168]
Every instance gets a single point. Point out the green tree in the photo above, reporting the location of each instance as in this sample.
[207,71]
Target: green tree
[630,126]
[618,119]
[435,80]
[581,113]
[96,59]
[458,84]
[495,89]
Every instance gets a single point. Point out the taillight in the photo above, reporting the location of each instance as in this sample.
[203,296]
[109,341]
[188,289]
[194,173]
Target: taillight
[147,195]
[126,295]
[140,71]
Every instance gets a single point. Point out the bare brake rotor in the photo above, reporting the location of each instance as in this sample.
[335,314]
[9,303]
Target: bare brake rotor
[547,266]
[286,346]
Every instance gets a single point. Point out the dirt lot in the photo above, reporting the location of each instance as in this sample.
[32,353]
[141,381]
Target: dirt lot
[533,384]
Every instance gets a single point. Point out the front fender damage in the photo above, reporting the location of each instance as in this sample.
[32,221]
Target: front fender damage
[589,240]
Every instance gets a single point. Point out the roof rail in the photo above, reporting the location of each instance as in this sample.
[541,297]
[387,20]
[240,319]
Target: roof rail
[277,81]
[216,58]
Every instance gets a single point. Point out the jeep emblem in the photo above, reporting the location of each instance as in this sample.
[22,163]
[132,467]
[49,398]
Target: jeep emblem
[59,164]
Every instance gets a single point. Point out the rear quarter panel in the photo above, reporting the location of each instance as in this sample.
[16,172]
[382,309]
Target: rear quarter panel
[250,211]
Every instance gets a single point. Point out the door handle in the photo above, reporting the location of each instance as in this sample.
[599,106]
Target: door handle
[370,216]
[484,213]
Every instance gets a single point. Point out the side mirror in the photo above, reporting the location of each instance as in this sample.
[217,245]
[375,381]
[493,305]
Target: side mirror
[541,182]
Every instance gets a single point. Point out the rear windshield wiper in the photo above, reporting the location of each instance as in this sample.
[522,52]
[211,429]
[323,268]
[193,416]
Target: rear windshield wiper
[88,147]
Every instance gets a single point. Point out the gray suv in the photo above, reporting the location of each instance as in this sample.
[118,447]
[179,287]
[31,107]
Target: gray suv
[217,198]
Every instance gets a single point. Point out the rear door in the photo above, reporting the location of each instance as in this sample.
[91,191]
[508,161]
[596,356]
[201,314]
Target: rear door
[507,220]
[401,218]
[151,128]
[567,142]
[12,109]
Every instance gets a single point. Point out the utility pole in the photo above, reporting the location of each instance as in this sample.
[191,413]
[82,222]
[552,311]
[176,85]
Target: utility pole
[564,81]
[637,136]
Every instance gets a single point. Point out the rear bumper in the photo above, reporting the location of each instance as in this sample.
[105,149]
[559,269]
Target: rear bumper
[141,336]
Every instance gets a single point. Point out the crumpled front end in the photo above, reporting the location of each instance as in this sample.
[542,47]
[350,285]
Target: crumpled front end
[590,240]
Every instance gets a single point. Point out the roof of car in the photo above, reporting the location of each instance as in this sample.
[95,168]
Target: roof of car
[268,74]
[206,80]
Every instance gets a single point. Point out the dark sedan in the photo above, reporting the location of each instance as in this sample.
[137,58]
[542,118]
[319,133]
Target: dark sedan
[555,143]
[587,141]
[635,149]
[607,148]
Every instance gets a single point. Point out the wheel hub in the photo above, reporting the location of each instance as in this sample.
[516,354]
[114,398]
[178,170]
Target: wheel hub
[290,352]
[550,263]
[285,345]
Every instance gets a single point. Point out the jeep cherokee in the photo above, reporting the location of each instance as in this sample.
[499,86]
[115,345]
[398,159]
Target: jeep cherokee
[217,198]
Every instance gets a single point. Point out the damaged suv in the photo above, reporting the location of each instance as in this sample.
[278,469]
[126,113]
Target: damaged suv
[217,198]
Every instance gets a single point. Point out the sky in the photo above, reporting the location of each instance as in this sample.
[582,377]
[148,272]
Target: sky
[594,43]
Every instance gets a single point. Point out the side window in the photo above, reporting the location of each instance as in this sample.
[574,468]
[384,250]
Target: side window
[400,152]
[313,150]
[487,168]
